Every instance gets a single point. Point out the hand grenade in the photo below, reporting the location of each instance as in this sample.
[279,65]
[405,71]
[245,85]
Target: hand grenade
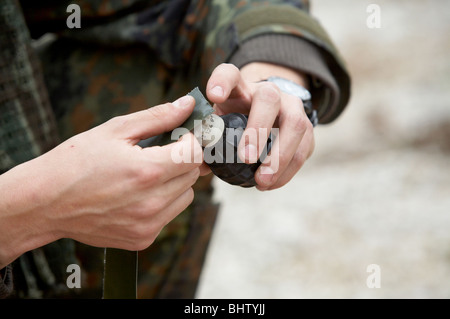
[220,152]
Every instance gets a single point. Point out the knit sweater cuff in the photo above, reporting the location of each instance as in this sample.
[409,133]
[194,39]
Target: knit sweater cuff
[299,54]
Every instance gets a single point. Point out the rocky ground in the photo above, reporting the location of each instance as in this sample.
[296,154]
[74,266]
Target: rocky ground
[377,189]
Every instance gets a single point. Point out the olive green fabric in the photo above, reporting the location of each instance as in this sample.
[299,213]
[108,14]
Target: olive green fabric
[127,56]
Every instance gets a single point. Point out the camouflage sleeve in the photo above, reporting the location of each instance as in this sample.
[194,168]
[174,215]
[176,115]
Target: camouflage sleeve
[203,34]
[27,124]
[281,32]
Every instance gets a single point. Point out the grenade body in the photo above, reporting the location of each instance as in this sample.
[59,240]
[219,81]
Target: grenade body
[223,159]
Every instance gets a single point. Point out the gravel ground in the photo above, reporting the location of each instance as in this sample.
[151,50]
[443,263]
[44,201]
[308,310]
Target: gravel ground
[376,190]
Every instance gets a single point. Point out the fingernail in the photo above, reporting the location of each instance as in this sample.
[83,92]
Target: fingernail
[183,101]
[266,175]
[217,91]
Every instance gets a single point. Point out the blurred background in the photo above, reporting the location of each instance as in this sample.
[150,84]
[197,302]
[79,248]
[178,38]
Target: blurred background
[377,188]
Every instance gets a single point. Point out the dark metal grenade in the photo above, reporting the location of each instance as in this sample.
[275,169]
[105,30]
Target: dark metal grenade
[222,157]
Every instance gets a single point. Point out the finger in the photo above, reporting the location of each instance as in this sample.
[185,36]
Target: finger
[173,159]
[176,186]
[227,85]
[148,229]
[293,126]
[163,204]
[265,107]
[204,169]
[303,152]
[153,121]
[290,134]
[175,208]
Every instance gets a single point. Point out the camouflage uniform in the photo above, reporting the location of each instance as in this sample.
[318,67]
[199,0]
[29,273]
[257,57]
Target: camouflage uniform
[127,56]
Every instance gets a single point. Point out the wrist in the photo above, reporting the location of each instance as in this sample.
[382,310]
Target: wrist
[24,211]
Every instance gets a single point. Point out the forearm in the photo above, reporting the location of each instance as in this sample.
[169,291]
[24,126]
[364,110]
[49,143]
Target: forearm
[99,187]
[24,220]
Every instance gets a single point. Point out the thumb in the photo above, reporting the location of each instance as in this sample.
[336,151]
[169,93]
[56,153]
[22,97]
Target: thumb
[153,121]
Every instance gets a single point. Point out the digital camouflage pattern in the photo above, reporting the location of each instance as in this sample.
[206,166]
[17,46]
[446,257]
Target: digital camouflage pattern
[27,125]
[127,56]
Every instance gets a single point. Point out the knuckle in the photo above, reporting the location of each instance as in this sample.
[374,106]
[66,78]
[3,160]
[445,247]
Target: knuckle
[144,243]
[298,122]
[257,133]
[148,207]
[283,160]
[229,66]
[158,111]
[117,122]
[296,116]
[138,232]
[155,205]
[299,159]
[189,196]
[144,235]
[269,92]
[149,175]
[309,125]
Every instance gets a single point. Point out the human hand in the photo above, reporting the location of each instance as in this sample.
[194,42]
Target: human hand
[99,187]
[234,90]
